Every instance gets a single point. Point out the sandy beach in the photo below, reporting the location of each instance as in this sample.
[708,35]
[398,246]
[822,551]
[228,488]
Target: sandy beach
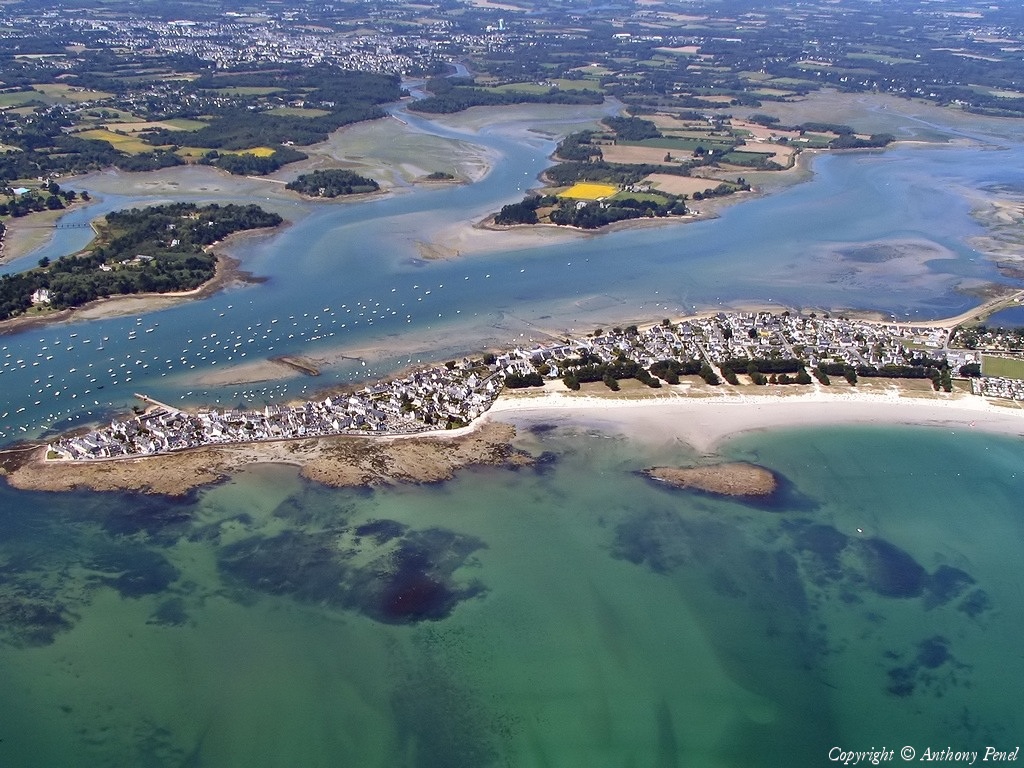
[705,422]
[701,422]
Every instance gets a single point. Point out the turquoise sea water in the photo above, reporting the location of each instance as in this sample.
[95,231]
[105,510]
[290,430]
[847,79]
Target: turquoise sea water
[574,614]
[568,615]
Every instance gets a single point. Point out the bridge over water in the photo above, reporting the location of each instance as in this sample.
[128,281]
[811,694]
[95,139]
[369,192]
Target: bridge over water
[84,225]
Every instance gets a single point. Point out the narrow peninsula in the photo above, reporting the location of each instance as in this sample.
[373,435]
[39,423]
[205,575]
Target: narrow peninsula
[726,354]
[160,249]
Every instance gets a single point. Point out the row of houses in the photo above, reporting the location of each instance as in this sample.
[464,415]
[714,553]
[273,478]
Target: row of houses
[726,336]
[998,386]
[436,398]
[459,392]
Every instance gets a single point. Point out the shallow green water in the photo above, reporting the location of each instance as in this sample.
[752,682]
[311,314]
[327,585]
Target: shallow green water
[570,615]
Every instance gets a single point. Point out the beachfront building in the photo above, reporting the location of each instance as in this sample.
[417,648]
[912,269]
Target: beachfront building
[456,394]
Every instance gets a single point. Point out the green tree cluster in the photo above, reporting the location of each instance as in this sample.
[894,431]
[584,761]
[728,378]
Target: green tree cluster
[157,249]
[632,128]
[454,94]
[334,182]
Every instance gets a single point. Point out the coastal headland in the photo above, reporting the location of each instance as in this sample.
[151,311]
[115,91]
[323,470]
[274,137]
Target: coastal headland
[338,462]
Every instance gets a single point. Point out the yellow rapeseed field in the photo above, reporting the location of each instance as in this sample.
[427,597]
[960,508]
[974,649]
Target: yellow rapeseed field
[257,151]
[128,144]
[589,191]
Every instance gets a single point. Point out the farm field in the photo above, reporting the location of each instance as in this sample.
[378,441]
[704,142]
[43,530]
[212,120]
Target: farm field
[757,131]
[184,124]
[298,112]
[257,151]
[619,153]
[60,91]
[681,185]
[142,127]
[589,191]
[248,90]
[129,144]
[668,142]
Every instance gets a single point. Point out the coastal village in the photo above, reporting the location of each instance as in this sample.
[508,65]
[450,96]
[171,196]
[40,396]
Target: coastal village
[455,394]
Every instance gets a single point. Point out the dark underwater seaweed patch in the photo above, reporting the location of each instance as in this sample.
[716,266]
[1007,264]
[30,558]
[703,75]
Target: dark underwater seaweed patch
[933,652]
[381,531]
[976,603]
[542,428]
[163,521]
[786,498]
[411,580]
[945,584]
[441,724]
[30,618]
[134,570]
[901,681]
[822,543]
[211,531]
[170,613]
[545,462]
[657,538]
[922,673]
[889,570]
[314,509]
[771,575]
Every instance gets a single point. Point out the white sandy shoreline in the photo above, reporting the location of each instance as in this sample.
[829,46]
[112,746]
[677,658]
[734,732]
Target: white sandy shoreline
[701,422]
[705,422]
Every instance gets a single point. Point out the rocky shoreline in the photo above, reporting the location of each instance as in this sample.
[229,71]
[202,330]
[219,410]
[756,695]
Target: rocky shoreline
[338,462]
[732,479]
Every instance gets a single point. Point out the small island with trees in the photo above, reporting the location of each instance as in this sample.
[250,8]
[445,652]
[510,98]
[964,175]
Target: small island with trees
[159,249]
[334,182]
[650,163]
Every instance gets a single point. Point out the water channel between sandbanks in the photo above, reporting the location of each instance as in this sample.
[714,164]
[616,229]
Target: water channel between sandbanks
[345,284]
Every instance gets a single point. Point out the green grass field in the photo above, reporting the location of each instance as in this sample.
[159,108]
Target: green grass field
[184,124]
[782,82]
[577,85]
[298,112]
[1010,368]
[655,198]
[882,58]
[682,145]
[742,158]
[249,90]
[17,99]
[522,88]
[63,92]
[815,141]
